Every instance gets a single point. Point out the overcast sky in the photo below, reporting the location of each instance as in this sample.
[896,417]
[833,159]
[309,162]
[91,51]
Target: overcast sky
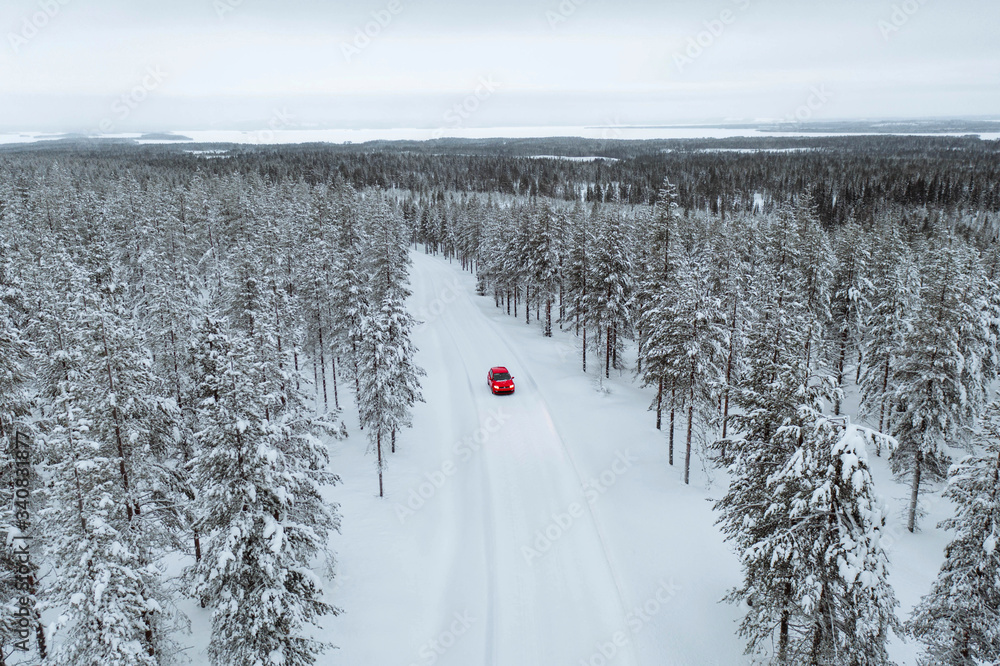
[126,65]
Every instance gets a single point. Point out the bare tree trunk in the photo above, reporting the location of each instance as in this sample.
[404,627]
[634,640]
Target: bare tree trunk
[562,306]
[911,522]
[673,404]
[729,370]
[614,347]
[687,450]
[548,316]
[378,450]
[322,370]
[659,403]
[885,389]
[527,305]
[607,355]
[315,385]
[783,630]
[129,510]
[177,372]
[393,440]
[336,399]
[638,356]
[841,361]
[585,348]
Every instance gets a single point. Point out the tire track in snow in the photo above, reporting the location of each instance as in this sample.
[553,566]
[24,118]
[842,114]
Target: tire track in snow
[431,286]
[590,509]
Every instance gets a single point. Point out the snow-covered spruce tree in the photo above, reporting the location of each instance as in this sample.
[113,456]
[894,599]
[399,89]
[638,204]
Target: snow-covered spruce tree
[543,260]
[577,273]
[803,512]
[732,277]
[611,281]
[814,281]
[650,299]
[313,280]
[850,299]
[390,377]
[488,258]
[894,282]
[959,619]
[791,585]
[106,434]
[259,474]
[694,335]
[941,381]
[350,288]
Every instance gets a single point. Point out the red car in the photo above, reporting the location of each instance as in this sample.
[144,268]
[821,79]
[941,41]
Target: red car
[500,380]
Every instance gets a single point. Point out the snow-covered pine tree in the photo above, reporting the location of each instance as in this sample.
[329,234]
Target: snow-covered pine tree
[106,435]
[259,472]
[803,513]
[390,377]
[894,283]
[941,381]
[694,334]
[732,277]
[814,281]
[850,299]
[959,619]
[611,281]
[316,310]
[350,288]
[577,274]
[543,260]
[652,296]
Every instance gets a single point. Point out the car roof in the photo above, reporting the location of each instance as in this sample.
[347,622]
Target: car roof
[498,368]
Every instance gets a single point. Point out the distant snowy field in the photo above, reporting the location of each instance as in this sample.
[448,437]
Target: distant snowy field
[609,132]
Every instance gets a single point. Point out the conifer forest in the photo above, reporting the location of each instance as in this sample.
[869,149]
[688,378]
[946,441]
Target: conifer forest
[193,344]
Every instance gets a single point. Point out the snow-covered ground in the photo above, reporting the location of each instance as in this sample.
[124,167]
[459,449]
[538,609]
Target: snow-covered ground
[546,527]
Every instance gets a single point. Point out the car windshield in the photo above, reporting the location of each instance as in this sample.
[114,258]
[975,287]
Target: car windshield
[500,376]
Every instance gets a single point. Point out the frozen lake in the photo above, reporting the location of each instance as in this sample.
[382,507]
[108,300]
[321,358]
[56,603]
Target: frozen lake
[609,132]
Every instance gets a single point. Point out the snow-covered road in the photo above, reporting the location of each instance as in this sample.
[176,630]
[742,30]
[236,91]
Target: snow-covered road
[539,528]
[550,585]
